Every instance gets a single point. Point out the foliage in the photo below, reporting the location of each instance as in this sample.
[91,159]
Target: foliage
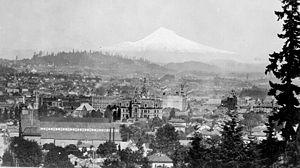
[270,149]
[155,123]
[131,158]
[125,132]
[57,157]
[108,113]
[27,152]
[232,145]
[56,112]
[172,113]
[230,102]
[254,92]
[228,151]
[72,149]
[18,111]
[7,159]
[251,120]
[180,156]
[48,146]
[285,65]
[166,140]
[136,133]
[96,114]
[126,158]
[107,148]
[202,154]
[113,161]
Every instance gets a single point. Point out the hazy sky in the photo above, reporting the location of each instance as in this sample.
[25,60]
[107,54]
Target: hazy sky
[247,27]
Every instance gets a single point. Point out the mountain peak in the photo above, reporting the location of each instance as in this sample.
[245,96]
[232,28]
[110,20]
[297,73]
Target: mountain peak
[162,31]
[163,42]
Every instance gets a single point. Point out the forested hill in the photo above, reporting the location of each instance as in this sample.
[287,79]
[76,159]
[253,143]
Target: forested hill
[96,62]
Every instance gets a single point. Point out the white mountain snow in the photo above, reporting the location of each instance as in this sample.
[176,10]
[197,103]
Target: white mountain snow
[165,46]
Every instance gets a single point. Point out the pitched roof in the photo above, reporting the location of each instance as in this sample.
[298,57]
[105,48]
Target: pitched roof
[85,106]
[160,158]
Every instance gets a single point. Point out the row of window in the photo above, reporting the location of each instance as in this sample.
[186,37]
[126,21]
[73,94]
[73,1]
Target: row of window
[78,129]
[147,116]
[148,111]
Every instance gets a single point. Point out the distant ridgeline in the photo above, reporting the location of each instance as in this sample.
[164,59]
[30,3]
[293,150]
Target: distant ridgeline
[96,62]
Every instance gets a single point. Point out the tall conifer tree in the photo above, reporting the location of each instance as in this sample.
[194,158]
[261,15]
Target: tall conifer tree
[232,145]
[285,65]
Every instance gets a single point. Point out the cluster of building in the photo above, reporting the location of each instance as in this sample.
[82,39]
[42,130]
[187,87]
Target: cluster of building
[78,98]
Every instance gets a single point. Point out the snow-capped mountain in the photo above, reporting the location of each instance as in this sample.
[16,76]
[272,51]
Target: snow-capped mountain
[165,46]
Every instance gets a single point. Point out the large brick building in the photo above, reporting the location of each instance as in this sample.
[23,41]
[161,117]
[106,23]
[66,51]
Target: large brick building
[140,108]
[65,131]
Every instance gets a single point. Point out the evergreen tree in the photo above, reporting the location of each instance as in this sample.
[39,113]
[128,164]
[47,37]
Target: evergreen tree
[72,149]
[108,113]
[28,153]
[195,152]
[271,148]
[155,122]
[7,159]
[285,65]
[232,149]
[106,149]
[180,156]
[18,111]
[166,140]
[131,158]
[203,153]
[113,161]
[57,157]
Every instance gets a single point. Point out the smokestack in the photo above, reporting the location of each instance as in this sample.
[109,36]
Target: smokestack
[113,134]
[109,134]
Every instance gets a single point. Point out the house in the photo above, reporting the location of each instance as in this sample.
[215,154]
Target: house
[160,160]
[82,110]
